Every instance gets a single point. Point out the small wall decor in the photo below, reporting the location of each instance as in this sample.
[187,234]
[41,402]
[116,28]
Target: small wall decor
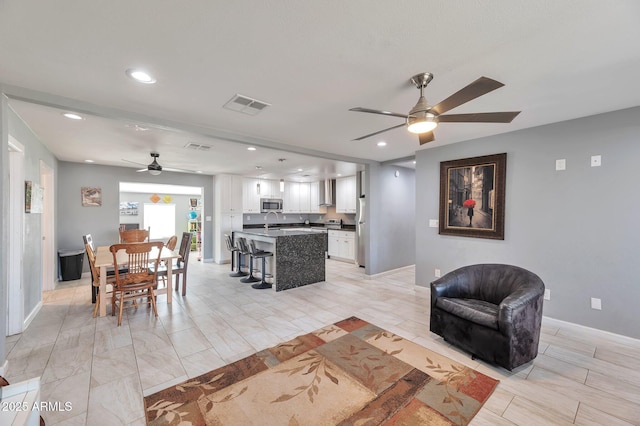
[472,194]
[91,197]
[33,197]
[167,199]
[129,208]
[154,198]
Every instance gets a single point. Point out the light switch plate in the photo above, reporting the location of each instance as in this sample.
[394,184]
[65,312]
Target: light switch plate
[433,223]
[561,164]
[437,273]
[547,294]
[596,160]
[207,218]
[596,303]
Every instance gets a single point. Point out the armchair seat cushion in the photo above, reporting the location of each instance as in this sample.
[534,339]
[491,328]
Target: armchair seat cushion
[474,310]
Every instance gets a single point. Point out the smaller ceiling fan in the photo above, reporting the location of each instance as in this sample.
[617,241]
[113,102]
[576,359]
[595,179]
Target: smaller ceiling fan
[423,118]
[155,168]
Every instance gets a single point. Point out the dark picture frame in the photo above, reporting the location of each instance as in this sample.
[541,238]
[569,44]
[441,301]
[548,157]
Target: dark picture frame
[472,196]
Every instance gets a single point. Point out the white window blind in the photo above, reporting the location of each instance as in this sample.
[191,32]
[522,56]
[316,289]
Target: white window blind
[161,218]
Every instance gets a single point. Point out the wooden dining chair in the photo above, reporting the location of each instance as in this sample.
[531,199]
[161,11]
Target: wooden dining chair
[95,277]
[134,236]
[140,280]
[179,266]
[171,243]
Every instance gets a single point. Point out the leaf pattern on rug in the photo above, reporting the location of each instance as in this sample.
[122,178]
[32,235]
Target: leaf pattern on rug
[168,410]
[312,363]
[453,380]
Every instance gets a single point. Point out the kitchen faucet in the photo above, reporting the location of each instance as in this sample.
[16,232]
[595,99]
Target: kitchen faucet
[266,219]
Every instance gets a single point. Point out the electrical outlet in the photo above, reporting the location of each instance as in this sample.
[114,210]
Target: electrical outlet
[265,218]
[596,161]
[248,217]
[284,218]
[561,164]
[547,294]
[596,303]
[437,273]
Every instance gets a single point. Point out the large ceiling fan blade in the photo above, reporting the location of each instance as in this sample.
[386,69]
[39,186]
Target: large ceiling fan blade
[480,87]
[142,170]
[426,137]
[378,111]
[377,133]
[480,117]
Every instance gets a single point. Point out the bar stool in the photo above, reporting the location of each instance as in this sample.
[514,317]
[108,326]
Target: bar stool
[235,257]
[260,254]
[246,251]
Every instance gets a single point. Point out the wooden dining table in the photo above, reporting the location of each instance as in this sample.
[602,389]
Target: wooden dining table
[104,260]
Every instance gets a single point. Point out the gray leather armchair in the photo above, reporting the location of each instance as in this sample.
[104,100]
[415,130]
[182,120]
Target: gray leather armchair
[492,311]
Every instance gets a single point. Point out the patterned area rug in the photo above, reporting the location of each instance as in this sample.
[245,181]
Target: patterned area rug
[348,373]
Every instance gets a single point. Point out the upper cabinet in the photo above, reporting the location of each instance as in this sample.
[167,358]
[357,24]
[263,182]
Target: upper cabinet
[297,197]
[346,194]
[314,198]
[229,190]
[250,195]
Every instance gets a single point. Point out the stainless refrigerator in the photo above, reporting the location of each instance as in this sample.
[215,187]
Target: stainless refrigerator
[361,230]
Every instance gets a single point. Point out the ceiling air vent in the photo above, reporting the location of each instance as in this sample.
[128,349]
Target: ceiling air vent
[245,105]
[197,146]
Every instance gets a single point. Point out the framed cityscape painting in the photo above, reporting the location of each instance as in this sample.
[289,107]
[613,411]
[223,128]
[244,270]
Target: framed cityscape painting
[472,194]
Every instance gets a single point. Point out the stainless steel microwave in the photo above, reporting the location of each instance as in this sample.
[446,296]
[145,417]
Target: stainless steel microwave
[271,205]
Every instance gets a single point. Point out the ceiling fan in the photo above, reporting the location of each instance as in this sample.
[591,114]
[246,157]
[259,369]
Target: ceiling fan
[155,168]
[423,118]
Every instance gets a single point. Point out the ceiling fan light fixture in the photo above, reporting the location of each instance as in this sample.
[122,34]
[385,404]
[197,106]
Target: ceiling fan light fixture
[426,123]
[154,172]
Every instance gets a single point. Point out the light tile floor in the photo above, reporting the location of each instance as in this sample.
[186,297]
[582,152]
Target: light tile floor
[581,376]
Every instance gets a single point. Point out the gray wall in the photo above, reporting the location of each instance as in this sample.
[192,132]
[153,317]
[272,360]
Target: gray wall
[577,229]
[391,215]
[4,221]
[102,222]
[35,151]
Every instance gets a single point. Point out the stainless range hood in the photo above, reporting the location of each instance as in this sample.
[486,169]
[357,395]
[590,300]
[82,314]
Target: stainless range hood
[327,191]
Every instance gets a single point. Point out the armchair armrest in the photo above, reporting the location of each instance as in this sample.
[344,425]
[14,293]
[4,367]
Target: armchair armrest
[521,310]
[446,286]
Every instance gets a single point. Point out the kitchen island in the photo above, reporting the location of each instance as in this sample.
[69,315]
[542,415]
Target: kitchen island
[298,254]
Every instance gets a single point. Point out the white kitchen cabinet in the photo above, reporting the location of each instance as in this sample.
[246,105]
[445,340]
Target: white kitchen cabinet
[297,197]
[270,188]
[314,198]
[229,193]
[291,199]
[250,196]
[304,197]
[227,212]
[342,245]
[346,194]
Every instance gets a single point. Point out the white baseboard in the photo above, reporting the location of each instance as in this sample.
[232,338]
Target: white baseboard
[31,316]
[3,367]
[389,272]
[604,333]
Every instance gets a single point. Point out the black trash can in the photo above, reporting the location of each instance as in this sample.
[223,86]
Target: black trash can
[70,264]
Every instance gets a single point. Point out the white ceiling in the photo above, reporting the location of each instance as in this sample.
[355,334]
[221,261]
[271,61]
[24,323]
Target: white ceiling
[311,61]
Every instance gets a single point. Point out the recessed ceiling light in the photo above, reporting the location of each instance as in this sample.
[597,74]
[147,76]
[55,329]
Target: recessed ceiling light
[258,167]
[382,143]
[72,116]
[89,161]
[198,171]
[339,174]
[414,161]
[299,170]
[140,76]
[251,148]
